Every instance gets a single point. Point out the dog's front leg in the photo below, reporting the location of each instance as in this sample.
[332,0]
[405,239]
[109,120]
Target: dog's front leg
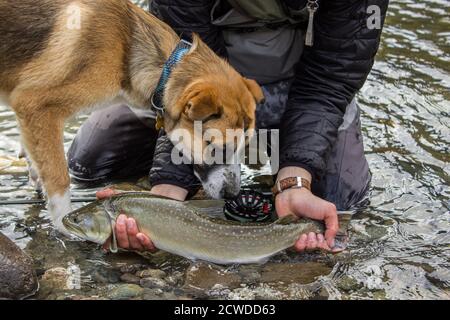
[42,135]
[33,175]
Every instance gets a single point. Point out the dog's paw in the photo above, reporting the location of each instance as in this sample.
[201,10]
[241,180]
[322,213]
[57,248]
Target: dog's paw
[59,206]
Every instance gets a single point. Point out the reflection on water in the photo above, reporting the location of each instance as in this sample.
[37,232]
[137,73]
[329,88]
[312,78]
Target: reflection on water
[399,245]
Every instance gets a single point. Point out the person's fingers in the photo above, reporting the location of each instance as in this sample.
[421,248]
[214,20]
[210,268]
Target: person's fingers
[146,243]
[311,242]
[132,231]
[301,243]
[107,245]
[121,232]
[105,193]
[332,225]
[321,243]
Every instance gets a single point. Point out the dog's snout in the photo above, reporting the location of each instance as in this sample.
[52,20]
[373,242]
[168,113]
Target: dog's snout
[230,195]
[220,181]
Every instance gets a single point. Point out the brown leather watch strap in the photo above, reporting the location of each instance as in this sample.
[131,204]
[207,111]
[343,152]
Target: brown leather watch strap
[288,183]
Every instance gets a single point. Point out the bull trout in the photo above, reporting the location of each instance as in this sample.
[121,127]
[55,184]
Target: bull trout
[182,229]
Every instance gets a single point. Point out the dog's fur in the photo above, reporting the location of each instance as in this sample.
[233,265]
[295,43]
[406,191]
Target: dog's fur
[51,70]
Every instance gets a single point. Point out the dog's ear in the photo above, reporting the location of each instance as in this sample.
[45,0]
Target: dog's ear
[201,103]
[255,90]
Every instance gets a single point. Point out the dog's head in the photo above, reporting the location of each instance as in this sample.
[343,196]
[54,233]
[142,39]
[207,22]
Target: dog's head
[213,108]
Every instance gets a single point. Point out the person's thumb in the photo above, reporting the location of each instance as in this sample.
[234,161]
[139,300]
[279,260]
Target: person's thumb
[332,225]
[105,193]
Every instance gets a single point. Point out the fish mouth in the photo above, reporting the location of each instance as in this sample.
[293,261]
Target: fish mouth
[74,229]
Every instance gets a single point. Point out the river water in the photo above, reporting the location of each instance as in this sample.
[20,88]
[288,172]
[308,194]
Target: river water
[399,245]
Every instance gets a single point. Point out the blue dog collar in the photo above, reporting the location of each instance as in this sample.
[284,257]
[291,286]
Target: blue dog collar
[177,55]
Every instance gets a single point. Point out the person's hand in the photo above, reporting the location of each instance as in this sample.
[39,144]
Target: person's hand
[127,233]
[303,203]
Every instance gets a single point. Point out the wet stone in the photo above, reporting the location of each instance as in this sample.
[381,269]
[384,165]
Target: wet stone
[250,273]
[84,298]
[125,292]
[153,283]
[242,294]
[55,279]
[132,268]
[348,284]
[203,277]
[266,292]
[297,291]
[105,276]
[219,291]
[323,294]
[158,294]
[259,292]
[130,278]
[173,280]
[302,273]
[379,295]
[17,276]
[151,273]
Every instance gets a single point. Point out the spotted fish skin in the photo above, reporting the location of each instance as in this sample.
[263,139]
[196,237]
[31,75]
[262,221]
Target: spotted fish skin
[180,228]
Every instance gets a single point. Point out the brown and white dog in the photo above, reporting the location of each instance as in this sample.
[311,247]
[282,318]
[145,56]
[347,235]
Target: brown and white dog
[60,57]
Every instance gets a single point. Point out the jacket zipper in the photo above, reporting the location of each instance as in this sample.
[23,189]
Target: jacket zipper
[312,7]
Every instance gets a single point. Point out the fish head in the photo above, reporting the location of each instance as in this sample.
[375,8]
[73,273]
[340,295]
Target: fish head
[92,222]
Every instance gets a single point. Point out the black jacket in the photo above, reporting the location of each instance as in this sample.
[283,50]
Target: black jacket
[329,74]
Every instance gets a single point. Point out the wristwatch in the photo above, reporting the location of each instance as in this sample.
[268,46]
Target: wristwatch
[290,183]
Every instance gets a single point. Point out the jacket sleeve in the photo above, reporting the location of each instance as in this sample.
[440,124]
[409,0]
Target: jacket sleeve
[164,171]
[186,16]
[329,75]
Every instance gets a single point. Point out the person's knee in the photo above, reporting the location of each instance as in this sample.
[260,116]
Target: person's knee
[86,166]
[113,142]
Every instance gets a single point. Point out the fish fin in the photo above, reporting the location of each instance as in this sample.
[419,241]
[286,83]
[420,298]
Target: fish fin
[287,219]
[113,245]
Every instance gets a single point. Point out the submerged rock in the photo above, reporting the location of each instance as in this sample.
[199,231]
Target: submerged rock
[151,273]
[301,273]
[17,277]
[55,279]
[125,292]
[202,277]
[348,284]
[132,268]
[106,276]
[259,292]
[154,283]
[130,278]
[174,279]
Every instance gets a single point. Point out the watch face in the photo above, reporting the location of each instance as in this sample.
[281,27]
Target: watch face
[249,206]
